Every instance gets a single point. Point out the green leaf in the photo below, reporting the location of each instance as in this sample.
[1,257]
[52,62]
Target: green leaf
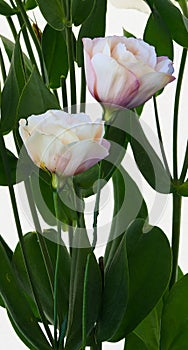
[30,5]
[149,273]
[9,48]
[9,256]
[55,55]
[52,12]
[13,168]
[80,251]
[134,342]
[36,97]
[128,205]
[128,34]
[12,90]
[43,195]
[115,294]
[157,34]
[6,10]
[93,27]
[176,22]
[81,10]
[92,292]
[18,307]
[39,274]
[174,326]
[147,333]
[145,156]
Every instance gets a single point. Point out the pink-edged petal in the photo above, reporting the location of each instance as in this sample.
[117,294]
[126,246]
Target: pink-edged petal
[114,83]
[149,85]
[142,51]
[90,74]
[84,154]
[164,65]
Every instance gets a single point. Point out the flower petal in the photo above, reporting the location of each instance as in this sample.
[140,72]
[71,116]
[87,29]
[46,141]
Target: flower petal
[114,83]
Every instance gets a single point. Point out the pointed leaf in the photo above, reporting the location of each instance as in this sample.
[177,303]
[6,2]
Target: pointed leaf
[81,10]
[40,275]
[176,22]
[55,55]
[6,10]
[13,87]
[149,273]
[80,251]
[18,306]
[52,12]
[30,4]
[174,327]
[115,294]
[42,99]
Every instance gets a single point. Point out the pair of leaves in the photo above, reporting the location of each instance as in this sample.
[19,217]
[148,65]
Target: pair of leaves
[18,89]
[39,273]
[148,274]
[85,291]
[21,314]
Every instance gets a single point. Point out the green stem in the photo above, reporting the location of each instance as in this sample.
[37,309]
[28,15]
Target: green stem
[83,90]
[2,64]
[12,27]
[34,38]
[183,5]
[185,165]
[160,137]
[84,331]
[64,92]
[176,110]
[71,66]
[56,95]
[176,222]
[96,209]
[20,235]
[42,242]
[56,205]
[27,41]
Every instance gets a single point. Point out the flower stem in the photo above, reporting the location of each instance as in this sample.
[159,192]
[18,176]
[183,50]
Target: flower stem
[96,209]
[20,235]
[34,38]
[12,27]
[160,137]
[176,110]
[176,222]
[83,90]
[185,165]
[71,65]
[2,65]
[64,92]
[56,205]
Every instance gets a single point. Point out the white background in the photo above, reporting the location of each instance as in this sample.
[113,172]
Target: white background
[134,21]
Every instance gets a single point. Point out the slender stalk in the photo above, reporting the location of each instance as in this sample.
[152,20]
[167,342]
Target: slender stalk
[27,41]
[176,222]
[56,205]
[2,64]
[96,209]
[64,92]
[176,110]
[84,331]
[42,243]
[160,137]
[185,165]
[56,95]
[20,235]
[83,90]
[34,38]
[71,65]
[12,27]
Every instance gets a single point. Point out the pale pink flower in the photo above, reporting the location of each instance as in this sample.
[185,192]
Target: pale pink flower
[62,143]
[124,71]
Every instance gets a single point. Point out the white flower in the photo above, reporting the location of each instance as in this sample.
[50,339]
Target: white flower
[63,143]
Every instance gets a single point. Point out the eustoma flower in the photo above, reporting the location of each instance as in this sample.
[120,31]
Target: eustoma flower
[62,143]
[124,71]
